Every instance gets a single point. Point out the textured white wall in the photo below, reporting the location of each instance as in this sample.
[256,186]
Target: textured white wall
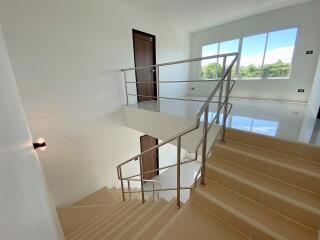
[67,57]
[27,211]
[305,17]
[314,100]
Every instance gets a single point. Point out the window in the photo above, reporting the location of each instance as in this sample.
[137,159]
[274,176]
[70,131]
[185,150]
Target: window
[266,55]
[253,48]
[212,68]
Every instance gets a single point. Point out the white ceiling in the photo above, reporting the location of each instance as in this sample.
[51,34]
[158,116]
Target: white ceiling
[194,15]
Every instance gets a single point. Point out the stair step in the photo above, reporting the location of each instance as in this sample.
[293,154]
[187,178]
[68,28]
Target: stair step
[111,221]
[100,197]
[89,224]
[116,193]
[150,229]
[297,204]
[104,220]
[112,229]
[296,171]
[250,218]
[296,149]
[71,218]
[140,221]
[193,222]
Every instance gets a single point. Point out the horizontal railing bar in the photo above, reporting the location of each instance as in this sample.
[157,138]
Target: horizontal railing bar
[158,169]
[170,98]
[180,99]
[182,81]
[158,190]
[183,61]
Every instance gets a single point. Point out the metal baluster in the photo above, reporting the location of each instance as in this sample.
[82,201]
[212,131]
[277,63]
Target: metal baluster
[223,133]
[153,196]
[121,181]
[221,90]
[204,145]
[178,171]
[126,86]
[141,180]
[129,189]
[158,88]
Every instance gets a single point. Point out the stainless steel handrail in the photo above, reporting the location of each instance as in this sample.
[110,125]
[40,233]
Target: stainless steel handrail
[184,61]
[226,73]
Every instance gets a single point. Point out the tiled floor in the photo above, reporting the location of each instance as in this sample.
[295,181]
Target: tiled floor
[293,121]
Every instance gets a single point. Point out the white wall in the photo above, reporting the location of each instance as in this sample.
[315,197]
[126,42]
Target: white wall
[305,17]
[66,56]
[314,100]
[27,211]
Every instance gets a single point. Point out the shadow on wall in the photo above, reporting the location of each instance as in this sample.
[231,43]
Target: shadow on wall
[83,159]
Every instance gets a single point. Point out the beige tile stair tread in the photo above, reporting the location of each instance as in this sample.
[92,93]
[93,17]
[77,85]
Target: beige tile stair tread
[71,218]
[152,226]
[141,220]
[106,220]
[110,231]
[110,222]
[116,193]
[102,196]
[267,221]
[192,222]
[296,164]
[95,220]
[265,183]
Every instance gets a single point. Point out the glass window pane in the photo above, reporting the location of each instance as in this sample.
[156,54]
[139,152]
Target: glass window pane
[228,47]
[209,67]
[252,56]
[279,53]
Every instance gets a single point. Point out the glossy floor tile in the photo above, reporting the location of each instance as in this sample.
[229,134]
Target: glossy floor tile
[292,121]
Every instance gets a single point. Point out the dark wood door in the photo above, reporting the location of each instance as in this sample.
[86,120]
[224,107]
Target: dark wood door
[150,160]
[145,55]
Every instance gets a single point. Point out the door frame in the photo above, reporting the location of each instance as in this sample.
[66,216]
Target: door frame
[154,59]
[157,151]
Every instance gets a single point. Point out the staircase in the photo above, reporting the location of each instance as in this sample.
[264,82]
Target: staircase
[257,187]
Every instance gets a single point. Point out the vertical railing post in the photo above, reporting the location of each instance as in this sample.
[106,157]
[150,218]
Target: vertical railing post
[178,171]
[221,90]
[121,181]
[126,86]
[141,180]
[223,133]
[129,188]
[158,87]
[204,145]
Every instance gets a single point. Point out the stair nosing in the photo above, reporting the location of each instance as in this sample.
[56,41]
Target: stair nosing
[264,189]
[243,216]
[87,224]
[270,161]
[139,218]
[158,215]
[148,204]
[99,230]
[92,228]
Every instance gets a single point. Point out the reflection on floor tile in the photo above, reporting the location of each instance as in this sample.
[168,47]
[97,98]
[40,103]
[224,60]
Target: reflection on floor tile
[293,121]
